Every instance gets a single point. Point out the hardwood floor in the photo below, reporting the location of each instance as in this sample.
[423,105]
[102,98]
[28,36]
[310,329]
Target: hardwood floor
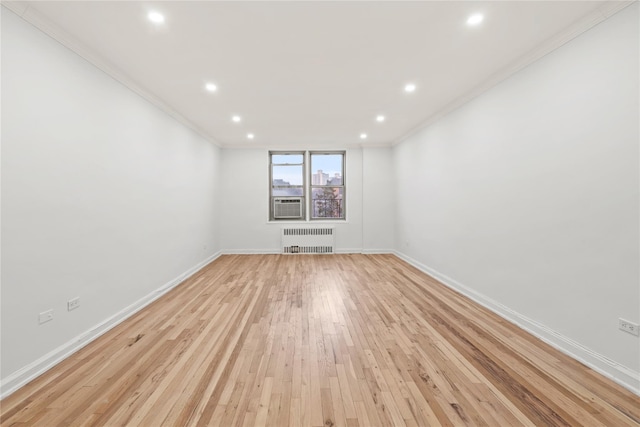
[305,340]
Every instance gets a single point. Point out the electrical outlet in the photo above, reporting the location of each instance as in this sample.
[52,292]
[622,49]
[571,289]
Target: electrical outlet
[72,304]
[630,327]
[45,316]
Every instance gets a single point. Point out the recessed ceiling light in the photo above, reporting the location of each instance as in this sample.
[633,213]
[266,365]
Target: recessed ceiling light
[236,119]
[380,119]
[211,87]
[156,17]
[475,19]
[409,87]
[363,136]
[250,136]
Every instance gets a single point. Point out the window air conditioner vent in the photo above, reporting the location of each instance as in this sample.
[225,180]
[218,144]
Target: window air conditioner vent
[287,208]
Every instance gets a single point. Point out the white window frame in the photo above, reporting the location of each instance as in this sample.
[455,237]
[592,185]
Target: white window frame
[342,205]
[303,186]
[307,185]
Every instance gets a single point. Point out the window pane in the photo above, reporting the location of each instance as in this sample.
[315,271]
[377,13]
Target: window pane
[287,191]
[287,159]
[327,202]
[326,169]
[287,175]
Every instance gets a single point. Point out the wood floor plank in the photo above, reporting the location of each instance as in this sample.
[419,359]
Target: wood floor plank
[318,340]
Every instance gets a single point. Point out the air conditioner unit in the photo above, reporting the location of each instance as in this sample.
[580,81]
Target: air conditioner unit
[290,207]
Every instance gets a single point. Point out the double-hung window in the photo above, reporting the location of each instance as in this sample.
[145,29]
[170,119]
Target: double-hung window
[327,185]
[287,194]
[293,197]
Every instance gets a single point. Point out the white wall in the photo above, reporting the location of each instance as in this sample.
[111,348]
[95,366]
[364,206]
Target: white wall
[378,204]
[244,208]
[104,197]
[528,196]
[245,226]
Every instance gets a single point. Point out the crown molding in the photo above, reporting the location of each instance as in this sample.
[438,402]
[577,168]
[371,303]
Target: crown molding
[599,15]
[31,15]
[35,18]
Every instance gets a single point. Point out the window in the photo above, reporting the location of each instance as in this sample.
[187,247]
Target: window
[287,188]
[327,185]
[289,191]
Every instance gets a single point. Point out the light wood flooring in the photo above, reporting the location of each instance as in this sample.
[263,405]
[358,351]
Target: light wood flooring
[327,340]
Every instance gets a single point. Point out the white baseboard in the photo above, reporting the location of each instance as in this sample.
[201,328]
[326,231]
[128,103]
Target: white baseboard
[278,251]
[348,251]
[22,376]
[622,375]
[626,377]
[251,251]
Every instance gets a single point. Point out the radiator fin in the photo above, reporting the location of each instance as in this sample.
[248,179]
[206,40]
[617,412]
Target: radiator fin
[308,250]
[308,231]
[308,240]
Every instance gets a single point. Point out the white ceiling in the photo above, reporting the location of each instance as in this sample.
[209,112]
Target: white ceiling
[311,74]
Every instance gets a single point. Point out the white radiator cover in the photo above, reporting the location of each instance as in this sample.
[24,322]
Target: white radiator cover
[308,240]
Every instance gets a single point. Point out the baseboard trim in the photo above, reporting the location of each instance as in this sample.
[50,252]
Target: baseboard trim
[626,377]
[348,251]
[24,375]
[278,251]
[251,252]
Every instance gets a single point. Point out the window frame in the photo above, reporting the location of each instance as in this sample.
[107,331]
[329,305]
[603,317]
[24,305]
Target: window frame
[272,153]
[343,186]
[307,185]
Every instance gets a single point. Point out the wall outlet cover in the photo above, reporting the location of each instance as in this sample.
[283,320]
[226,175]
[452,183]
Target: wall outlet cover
[72,304]
[630,327]
[45,316]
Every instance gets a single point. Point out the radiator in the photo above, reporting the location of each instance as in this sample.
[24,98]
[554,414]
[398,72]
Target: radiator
[301,240]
